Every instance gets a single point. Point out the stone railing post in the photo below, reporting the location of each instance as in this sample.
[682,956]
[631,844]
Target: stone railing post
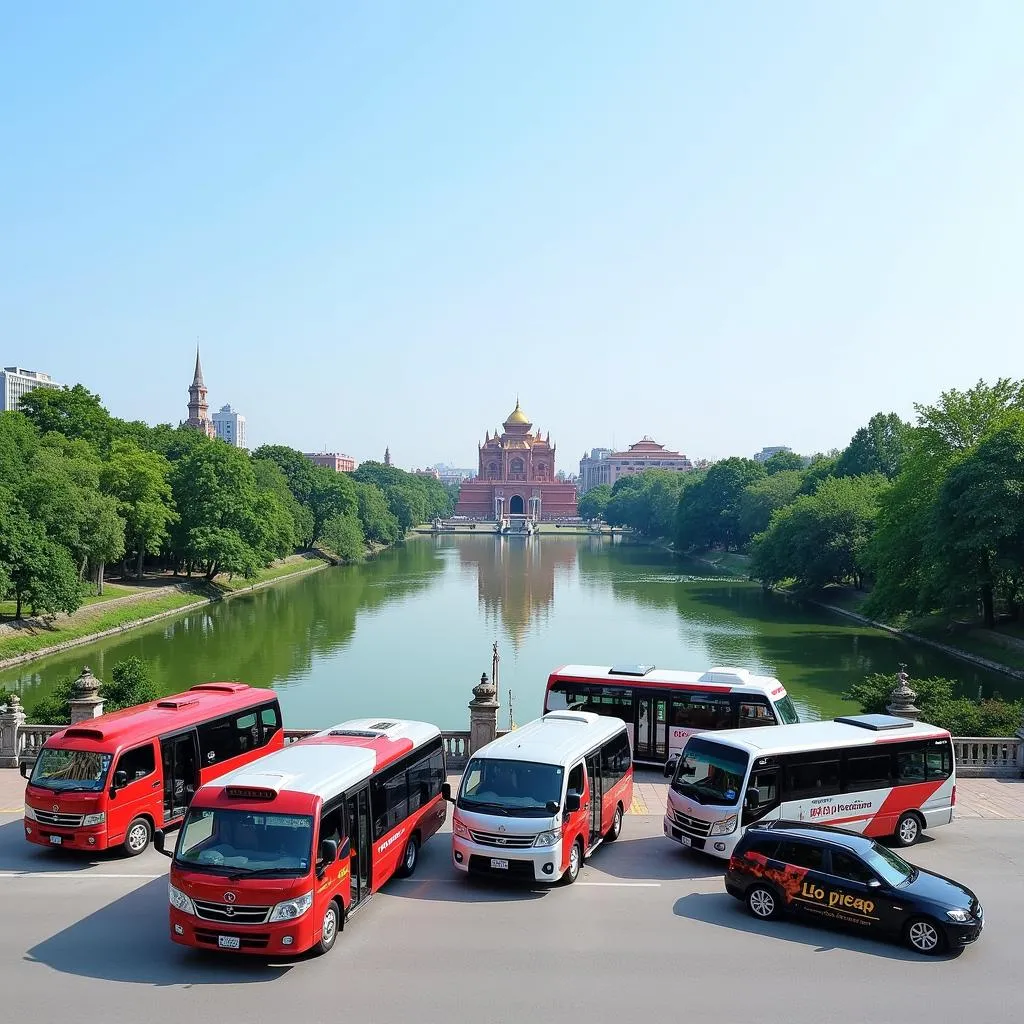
[1020,748]
[901,700]
[483,714]
[11,722]
[86,702]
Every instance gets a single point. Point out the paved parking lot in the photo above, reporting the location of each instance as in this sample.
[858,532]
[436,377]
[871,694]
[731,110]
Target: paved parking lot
[647,932]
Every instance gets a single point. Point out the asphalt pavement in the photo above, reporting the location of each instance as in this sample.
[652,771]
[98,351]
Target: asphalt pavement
[647,933]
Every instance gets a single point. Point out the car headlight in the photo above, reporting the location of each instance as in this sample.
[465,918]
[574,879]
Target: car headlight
[960,916]
[180,901]
[30,814]
[459,829]
[95,819]
[291,909]
[546,839]
[720,828]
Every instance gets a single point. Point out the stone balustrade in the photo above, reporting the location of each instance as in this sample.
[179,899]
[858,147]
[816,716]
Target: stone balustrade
[990,756]
[456,749]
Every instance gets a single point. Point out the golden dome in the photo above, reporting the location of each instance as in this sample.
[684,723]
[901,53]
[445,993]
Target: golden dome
[517,416]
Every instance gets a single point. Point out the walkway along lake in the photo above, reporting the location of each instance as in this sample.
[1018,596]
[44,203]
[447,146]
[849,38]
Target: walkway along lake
[409,632]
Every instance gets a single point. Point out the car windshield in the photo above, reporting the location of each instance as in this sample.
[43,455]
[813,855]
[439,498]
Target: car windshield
[518,788]
[710,773]
[787,712]
[239,843]
[890,866]
[65,770]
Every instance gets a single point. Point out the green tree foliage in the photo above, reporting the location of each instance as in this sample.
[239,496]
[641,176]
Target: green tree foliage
[412,499]
[783,462]
[647,503]
[331,494]
[760,499]
[877,448]
[821,538]
[130,684]
[594,504]
[378,523]
[709,511]
[935,698]
[821,468]
[270,477]
[344,536]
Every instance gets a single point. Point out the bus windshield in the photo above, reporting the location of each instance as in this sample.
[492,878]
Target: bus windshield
[242,843]
[787,712]
[710,772]
[517,788]
[66,770]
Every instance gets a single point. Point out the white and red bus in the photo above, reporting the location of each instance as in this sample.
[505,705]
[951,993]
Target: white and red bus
[875,774]
[662,707]
[111,781]
[537,801]
[273,858]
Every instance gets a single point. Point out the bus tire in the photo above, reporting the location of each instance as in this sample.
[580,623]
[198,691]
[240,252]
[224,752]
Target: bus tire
[572,872]
[410,858]
[616,830]
[923,935]
[908,829]
[138,836]
[329,928]
[762,901]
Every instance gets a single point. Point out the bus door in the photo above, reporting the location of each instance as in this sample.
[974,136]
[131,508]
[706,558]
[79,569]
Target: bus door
[651,743]
[359,845]
[180,760]
[596,796]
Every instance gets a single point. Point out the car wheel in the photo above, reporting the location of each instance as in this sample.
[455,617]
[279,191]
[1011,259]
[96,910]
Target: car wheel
[137,837]
[572,872]
[410,858]
[762,902]
[616,830]
[923,935]
[329,928]
[908,829]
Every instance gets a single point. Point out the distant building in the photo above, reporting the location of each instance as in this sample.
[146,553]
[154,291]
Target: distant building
[646,454]
[333,460]
[198,408]
[429,471]
[453,474]
[766,453]
[595,469]
[17,382]
[387,456]
[230,426]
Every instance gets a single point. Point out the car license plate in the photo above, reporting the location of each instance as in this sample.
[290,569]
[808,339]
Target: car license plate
[229,942]
[684,840]
[501,865]
[56,840]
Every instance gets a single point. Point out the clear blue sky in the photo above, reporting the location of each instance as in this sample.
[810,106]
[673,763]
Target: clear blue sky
[723,225]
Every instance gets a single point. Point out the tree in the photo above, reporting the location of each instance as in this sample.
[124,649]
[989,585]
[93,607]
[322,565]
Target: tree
[270,477]
[764,497]
[138,481]
[297,469]
[331,494]
[709,512]
[378,524]
[344,536]
[821,468]
[876,448]
[594,503]
[130,685]
[104,533]
[75,413]
[783,462]
[19,442]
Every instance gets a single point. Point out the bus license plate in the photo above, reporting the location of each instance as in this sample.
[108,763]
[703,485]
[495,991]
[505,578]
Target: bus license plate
[499,864]
[229,942]
[56,840]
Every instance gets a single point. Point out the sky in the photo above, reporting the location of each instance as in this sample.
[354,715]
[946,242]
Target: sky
[724,226]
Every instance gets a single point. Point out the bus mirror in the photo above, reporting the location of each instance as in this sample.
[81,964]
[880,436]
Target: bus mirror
[120,780]
[670,767]
[752,799]
[328,851]
[158,843]
[446,790]
[23,768]
[572,802]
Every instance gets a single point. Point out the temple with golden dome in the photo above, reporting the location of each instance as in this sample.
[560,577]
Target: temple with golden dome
[516,476]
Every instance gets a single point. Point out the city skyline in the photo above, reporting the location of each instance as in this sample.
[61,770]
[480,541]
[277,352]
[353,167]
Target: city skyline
[723,228]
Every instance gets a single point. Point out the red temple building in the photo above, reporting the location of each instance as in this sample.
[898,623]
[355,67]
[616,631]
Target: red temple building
[516,477]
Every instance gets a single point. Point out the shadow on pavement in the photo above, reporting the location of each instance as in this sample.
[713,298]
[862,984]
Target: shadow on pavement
[18,855]
[652,858]
[127,941]
[723,911]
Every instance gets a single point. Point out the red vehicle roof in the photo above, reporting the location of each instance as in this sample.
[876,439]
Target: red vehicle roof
[199,703]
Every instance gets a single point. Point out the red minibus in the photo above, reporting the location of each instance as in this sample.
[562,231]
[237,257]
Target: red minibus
[274,857]
[116,779]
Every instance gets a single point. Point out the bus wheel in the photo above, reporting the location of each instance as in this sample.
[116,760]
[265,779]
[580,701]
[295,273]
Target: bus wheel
[410,858]
[572,872]
[616,830]
[924,936]
[329,928]
[762,902]
[137,837]
[908,829]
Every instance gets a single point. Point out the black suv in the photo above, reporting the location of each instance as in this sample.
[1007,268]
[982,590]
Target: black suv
[842,877]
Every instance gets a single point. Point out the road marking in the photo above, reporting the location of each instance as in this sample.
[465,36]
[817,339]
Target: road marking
[639,805]
[68,874]
[626,885]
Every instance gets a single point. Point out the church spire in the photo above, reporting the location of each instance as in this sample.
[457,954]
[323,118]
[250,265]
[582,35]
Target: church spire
[387,456]
[198,378]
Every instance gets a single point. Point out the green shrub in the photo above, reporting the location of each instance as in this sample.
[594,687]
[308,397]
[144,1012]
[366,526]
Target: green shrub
[130,684]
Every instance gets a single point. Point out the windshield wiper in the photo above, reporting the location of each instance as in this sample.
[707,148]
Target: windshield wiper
[265,873]
[501,808]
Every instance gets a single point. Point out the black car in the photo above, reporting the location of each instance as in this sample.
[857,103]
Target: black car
[842,877]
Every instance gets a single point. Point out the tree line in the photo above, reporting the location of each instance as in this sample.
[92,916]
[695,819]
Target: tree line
[928,516]
[81,490]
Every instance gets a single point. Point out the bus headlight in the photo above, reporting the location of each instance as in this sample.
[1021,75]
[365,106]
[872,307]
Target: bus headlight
[180,901]
[720,828]
[459,829]
[546,839]
[30,814]
[95,819]
[291,909]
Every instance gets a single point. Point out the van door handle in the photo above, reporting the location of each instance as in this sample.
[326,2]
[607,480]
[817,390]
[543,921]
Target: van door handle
[156,785]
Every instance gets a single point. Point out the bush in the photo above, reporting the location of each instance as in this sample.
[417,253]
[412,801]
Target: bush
[130,684]
[962,716]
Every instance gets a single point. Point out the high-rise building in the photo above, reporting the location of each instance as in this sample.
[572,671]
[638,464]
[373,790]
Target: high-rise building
[645,454]
[595,469]
[766,453]
[16,381]
[230,426]
[332,460]
[198,408]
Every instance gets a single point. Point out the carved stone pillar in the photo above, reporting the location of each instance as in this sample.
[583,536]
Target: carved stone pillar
[901,700]
[86,702]
[11,722]
[483,714]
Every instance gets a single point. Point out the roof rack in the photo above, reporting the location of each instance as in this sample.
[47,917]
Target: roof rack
[876,723]
[630,670]
[362,734]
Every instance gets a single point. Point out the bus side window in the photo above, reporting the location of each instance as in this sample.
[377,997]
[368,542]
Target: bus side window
[576,780]
[331,826]
[754,714]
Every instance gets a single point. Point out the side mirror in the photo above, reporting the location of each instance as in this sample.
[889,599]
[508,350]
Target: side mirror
[572,802]
[120,780]
[752,799]
[159,845]
[23,768]
[446,791]
[874,883]
[670,767]
[328,851]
